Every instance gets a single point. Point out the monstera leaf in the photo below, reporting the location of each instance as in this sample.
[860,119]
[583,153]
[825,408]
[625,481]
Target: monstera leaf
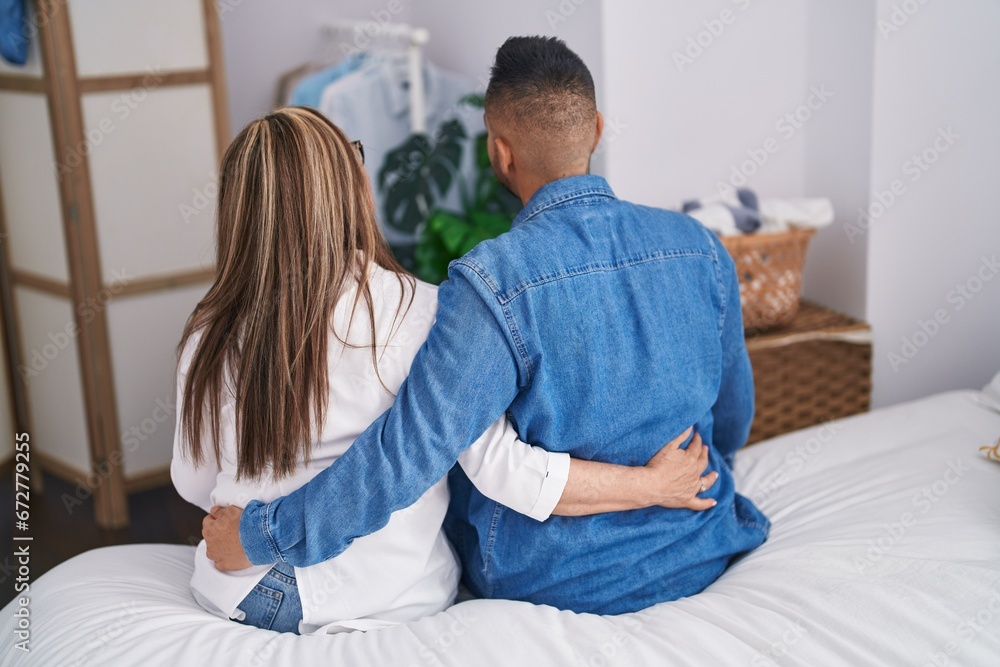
[418,174]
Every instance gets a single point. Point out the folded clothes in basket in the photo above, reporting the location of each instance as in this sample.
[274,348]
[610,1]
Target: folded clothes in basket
[737,212]
[780,214]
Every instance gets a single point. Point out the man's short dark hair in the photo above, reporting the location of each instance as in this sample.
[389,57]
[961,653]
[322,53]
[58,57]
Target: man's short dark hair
[538,83]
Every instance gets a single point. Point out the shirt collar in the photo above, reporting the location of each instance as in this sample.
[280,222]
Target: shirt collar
[563,190]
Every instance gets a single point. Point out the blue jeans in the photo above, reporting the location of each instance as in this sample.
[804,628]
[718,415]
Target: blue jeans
[274,603]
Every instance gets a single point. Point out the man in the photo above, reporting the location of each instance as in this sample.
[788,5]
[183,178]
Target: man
[601,328]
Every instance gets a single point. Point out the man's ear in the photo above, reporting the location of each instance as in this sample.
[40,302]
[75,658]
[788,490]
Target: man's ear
[505,157]
[600,131]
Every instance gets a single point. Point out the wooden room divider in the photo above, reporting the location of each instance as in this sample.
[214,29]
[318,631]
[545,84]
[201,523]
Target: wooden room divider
[110,138]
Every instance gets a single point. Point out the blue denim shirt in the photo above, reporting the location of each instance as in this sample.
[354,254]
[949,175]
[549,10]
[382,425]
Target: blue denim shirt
[603,329]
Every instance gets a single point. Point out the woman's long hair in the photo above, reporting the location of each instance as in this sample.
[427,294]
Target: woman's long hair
[296,230]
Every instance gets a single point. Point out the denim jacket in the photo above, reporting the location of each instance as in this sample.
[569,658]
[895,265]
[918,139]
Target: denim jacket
[603,329]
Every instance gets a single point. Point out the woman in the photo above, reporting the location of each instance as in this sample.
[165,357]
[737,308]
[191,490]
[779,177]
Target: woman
[301,342]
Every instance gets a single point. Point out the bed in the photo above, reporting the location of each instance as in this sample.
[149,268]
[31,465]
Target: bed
[885,550]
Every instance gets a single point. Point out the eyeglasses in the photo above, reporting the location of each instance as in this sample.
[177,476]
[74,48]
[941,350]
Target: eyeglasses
[360,148]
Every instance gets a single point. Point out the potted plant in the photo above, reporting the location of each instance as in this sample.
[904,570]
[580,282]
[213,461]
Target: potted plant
[419,174]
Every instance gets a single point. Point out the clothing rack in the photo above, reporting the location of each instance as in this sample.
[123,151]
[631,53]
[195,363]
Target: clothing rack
[415,37]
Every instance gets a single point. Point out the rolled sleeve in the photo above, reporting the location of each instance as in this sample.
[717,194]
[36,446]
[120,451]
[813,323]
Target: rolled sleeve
[527,479]
[255,534]
[553,485]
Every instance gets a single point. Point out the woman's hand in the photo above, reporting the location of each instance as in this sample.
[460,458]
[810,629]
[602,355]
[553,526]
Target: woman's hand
[674,476]
[221,530]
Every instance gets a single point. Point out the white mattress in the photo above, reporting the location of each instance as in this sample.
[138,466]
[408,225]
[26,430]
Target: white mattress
[821,591]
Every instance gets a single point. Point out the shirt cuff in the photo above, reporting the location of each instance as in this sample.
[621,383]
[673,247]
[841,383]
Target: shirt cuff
[556,475]
[255,534]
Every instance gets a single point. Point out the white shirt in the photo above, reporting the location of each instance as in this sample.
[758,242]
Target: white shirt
[407,569]
[372,104]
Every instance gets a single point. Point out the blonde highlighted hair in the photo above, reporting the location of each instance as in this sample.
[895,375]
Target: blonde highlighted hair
[296,230]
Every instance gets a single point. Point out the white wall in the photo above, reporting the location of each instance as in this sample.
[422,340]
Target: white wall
[941,69]
[687,124]
[263,40]
[838,148]
[466,35]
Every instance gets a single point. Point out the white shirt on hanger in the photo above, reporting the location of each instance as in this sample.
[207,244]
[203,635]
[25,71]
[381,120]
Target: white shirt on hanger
[372,104]
[408,569]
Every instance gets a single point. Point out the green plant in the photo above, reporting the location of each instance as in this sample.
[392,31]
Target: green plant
[418,175]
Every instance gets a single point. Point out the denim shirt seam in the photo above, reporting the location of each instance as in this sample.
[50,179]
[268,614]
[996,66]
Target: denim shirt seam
[560,199]
[506,297]
[720,283]
[265,521]
[515,333]
[491,539]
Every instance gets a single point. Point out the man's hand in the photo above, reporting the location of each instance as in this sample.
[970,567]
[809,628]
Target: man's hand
[675,478]
[221,530]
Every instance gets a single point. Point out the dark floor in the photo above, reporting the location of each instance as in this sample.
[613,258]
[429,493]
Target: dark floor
[158,515]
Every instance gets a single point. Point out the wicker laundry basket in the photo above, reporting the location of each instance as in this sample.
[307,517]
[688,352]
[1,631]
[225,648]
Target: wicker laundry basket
[769,267]
[817,369]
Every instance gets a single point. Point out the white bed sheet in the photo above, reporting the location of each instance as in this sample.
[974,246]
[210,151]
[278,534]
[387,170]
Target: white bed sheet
[836,583]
